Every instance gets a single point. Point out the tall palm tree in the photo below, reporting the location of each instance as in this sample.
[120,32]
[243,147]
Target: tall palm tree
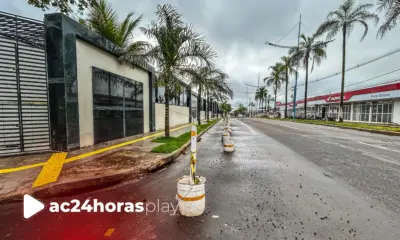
[103,19]
[219,89]
[251,108]
[344,19]
[392,15]
[275,79]
[204,78]
[268,101]
[309,49]
[288,67]
[177,48]
[261,95]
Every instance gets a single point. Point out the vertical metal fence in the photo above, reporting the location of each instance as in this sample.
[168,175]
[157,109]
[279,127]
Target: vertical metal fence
[24,115]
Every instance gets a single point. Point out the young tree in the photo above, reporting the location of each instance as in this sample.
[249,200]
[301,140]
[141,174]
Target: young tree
[226,108]
[392,15]
[309,49]
[288,67]
[275,79]
[177,47]
[344,19]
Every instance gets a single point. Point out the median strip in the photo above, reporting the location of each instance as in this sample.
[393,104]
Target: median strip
[381,129]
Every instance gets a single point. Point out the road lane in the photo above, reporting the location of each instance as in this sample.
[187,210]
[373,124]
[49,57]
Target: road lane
[264,190]
[369,162]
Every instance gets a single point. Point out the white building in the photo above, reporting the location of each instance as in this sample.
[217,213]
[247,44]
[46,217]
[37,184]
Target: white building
[379,104]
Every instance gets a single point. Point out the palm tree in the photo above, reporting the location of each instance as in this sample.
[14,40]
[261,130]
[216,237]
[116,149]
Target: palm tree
[392,15]
[261,95]
[204,78]
[268,101]
[275,79]
[177,48]
[103,19]
[219,90]
[309,49]
[344,19]
[251,108]
[288,67]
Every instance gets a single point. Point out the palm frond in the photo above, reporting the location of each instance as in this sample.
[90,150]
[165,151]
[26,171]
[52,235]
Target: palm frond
[329,26]
[392,16]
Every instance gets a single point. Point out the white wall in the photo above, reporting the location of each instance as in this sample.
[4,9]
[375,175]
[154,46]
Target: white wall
[177,115]
[89,56]
[396,112]
[202,115]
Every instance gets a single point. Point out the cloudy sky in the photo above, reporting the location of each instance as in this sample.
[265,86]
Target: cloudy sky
[237,30]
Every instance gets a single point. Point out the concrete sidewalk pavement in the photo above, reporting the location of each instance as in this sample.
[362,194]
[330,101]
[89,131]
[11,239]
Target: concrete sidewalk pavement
[100,170]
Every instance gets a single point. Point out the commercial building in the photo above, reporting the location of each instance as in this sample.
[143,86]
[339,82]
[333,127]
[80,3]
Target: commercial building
[378,104]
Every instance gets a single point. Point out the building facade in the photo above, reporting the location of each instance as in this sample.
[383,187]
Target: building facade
[65,89]
[379,104]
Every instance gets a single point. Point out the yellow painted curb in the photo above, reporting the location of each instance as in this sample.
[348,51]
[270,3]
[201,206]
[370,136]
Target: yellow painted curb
[88,154]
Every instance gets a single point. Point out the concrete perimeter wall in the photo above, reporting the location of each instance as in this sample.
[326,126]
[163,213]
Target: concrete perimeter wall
[178,115]
[89,56]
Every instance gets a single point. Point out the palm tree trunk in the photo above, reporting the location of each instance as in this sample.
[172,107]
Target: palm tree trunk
[198,106]
[208,107]
[305,90]
[343,75]
[286,91]
[275,90]
[166,95]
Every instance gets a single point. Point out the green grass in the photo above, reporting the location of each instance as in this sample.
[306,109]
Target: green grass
[173,143]
[348,124]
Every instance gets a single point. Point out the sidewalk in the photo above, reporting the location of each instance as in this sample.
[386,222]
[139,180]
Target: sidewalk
[101,170]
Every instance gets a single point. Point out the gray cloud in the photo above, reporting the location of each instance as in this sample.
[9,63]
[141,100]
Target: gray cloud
[237,30]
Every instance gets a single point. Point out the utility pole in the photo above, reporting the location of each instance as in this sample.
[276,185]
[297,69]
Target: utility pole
[297,74]
[258,86]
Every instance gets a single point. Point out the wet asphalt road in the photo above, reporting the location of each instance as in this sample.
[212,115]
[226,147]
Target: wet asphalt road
[284,181]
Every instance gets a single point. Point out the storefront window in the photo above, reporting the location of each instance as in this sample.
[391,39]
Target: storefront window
[346,112]
[382,112]
[361,112]
[334,111]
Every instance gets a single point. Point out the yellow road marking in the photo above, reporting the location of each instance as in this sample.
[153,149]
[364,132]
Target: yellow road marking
[51,170]
[9,170]
[109,232]
[89,154]
[71,159]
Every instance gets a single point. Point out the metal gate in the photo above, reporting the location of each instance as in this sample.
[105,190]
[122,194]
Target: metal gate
[24,116]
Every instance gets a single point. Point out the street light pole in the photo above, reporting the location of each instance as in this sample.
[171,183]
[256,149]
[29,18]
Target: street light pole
[297,74]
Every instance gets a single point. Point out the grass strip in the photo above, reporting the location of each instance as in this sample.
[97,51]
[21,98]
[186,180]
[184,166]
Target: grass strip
[381,127]
[173,143]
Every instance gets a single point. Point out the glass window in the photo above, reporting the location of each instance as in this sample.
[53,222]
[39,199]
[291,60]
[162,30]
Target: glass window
[382,112]
[160,95]
[117,106]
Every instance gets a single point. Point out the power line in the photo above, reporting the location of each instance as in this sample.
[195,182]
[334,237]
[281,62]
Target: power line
[287,33]
[377,84]
[355,67]
[306,27]
[369,79]
[349,69]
